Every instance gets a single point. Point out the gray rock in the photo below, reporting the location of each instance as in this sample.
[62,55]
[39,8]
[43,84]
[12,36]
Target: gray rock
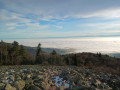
[17,77]
[97,83]
[19,84]
[9,87]
[33,87]
[62,87]
[38,82]
[2,80]
[28,81]
[45,85]
[106,87]
[12,78]
[2,85]
[40,76]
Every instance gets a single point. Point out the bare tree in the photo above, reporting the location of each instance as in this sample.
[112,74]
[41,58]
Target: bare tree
[12,55]
[1,52]
[6,53]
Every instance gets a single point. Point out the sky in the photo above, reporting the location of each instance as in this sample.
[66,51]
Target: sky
[21,19]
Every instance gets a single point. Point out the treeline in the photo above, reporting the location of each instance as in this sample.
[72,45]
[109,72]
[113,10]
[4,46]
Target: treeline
[15,54]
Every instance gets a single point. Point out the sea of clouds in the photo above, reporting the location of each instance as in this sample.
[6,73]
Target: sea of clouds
[103,45]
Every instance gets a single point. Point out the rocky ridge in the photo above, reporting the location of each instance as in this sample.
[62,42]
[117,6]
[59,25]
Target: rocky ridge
[36,77]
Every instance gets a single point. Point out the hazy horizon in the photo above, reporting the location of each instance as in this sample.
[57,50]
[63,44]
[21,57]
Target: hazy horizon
[79,24]
[93,44]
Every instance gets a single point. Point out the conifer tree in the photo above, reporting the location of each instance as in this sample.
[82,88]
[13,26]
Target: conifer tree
[16,47]
[39,50]
[14,50]
[39,57]
[75,60]
[53,52]
[22,52]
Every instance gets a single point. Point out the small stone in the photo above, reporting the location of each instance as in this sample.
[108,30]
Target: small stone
[97,83]
[28,81]
[44,70]
[17,77]
[40,76]
[33,87]
[106,87]
[9,87]
[28,76]
[45,85]
[12,78]
[2,80]
[19,84]
[2,86]
[38,83]
[53,87]
[62,87]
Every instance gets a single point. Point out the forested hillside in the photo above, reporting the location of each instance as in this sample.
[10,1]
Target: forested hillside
[14,54]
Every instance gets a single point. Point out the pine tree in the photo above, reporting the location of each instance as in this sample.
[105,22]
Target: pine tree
[16,47]
[22,52]
[39,50]
[14,50]
[53,57]
[75,60]
[53,52]
[39,57]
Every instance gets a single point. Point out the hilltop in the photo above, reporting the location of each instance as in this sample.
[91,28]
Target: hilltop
[31,68]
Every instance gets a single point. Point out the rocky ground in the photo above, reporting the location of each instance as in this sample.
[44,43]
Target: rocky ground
[36,77]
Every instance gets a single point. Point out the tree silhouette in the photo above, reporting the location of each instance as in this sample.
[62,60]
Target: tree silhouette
[22,51]
[14,50]
[53,52]
[39,50]
[1,51]
[75,60]
[39,56]
[6,52]
[16,47]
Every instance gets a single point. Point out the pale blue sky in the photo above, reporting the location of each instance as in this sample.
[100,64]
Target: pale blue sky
[59,18]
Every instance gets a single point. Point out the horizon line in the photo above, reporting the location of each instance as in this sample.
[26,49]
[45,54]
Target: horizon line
[65,37]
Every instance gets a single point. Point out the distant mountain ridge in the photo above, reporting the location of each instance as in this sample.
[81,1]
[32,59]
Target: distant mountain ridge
[49,50]
[62,51]
[115,55]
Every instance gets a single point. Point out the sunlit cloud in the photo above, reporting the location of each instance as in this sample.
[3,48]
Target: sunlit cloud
[101,25]
[63,18]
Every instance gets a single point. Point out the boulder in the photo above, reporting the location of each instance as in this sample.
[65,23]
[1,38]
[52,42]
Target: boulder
[33,87]
[45,85]
[2,80]
[38,83]
[40,76]
[2,85]
[17,77]
[19,84]
[28,81]
[53,87]
[9,87]
[97,83]
[29,75]
[12,78]
[62,87]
